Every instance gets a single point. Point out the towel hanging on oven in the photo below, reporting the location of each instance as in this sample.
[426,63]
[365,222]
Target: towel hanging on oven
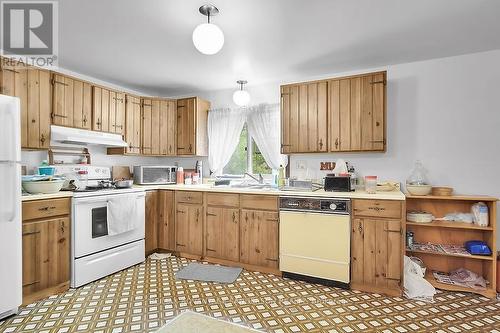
[121,213]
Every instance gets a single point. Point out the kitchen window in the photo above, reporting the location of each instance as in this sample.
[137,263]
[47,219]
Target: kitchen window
[246,157]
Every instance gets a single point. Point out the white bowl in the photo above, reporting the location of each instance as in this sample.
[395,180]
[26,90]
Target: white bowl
[419,189]
[43,187]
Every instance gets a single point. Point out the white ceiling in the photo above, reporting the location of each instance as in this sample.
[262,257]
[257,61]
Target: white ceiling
[146,45]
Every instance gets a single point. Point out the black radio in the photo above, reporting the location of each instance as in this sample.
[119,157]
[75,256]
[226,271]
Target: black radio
[338,183]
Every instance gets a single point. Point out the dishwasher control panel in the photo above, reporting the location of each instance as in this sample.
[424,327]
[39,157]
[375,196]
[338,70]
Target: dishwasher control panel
[319,205]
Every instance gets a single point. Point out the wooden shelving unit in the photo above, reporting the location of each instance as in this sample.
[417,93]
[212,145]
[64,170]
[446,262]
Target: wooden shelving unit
[456,233]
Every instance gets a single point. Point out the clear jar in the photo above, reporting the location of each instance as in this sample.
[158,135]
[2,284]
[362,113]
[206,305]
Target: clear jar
[371,184]
[187,178]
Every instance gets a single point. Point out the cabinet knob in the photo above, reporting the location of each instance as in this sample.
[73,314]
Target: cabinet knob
[336,143]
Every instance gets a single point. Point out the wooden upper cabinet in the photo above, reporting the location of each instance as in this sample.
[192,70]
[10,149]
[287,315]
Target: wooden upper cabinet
[32,86]
[108,110]
[357,113]
[147,105]
[133,126]
[342,114]
[72,102]
[192,118]
[168,127]
[304,118]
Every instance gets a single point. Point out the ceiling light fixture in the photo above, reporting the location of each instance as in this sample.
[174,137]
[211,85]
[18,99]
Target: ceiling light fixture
[207,37]
[241,97]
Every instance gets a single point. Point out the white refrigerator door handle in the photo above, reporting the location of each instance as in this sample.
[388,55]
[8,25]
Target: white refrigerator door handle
[11,184]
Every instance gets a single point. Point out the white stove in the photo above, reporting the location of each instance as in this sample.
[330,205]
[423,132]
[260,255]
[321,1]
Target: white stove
[107,224]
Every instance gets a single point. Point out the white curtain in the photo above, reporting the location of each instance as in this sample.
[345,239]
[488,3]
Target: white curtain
[224,129]
[263,122]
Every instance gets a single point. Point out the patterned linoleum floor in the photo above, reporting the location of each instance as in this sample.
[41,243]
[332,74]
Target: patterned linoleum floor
[145,297]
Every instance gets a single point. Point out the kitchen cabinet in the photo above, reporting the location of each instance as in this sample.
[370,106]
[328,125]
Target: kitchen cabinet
[192,118]
[166,220]
[46,248]
[32,86]
[222,226]
[151,221]
[133,127]
[189,228]
[159,127]
[377,246]
[168,127]
[147,105]
[357,113]
[108,110]
[259,238]
[71,102]
[336,115]
[304,118]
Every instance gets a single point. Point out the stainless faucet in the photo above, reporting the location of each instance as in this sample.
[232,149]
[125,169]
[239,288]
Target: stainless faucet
[260,180]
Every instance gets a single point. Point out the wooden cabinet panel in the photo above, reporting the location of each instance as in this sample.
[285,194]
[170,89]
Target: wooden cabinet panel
[168,125]
[222,234]
[259,201]
[192,117]
[259,238]
[223,199]
[189,197]
[146,126]
[82,104]
[38,209]
[155,127]
[379,111]
[304,118]
[376,255]
[166,220]
[189,228]
[46,262]
[32,87]
[377,208]
[133,124]
[72,102]
[101,109]
[151,223]
[119,113]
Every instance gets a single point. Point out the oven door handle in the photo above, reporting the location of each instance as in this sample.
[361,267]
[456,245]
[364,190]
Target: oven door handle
[103,201]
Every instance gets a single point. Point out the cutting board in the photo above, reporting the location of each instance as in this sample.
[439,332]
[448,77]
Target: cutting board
[121,172]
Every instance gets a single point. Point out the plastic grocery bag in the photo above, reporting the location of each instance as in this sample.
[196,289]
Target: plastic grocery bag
[415,286]
[480,214]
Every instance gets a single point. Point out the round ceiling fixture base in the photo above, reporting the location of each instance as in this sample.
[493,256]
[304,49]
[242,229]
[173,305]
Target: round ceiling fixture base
[209,10]
[240,82]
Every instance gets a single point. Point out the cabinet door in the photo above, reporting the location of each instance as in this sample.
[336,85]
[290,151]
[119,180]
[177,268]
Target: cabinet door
[222,234]
[289,119]
[39,109]
[15,83]
[213,234]
[357,248]
[155,128]
[181,227]
[166,225]
[151,226]
[133,124]
[195,219]
[101,109]
[117,113]
[146,126]
[62,108]
[259,238]
[357,113]
[186,109]
[82,100]
[168,124]
[45,254]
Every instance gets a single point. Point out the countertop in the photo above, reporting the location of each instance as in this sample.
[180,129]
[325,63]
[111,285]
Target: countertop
[393,195]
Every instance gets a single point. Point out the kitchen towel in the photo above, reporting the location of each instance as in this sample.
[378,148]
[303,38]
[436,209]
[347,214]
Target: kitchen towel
[121,213]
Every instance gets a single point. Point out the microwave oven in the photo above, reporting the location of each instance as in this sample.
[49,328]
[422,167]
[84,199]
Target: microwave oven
[151,174]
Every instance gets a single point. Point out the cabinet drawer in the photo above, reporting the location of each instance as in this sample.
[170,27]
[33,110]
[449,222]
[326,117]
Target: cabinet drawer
[261,202]
[38,209]
[189,197]
[377,208]
[223,199]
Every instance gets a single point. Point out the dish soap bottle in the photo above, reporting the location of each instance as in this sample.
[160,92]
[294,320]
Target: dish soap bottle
[281,176]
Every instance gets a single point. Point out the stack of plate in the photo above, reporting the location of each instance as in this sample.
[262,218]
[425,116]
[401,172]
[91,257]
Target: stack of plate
[419,217]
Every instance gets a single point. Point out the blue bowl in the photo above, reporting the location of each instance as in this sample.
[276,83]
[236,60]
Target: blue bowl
[46,170]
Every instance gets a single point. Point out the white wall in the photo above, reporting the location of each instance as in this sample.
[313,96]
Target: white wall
[445,112]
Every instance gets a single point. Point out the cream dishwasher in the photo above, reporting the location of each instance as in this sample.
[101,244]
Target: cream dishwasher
[315,239]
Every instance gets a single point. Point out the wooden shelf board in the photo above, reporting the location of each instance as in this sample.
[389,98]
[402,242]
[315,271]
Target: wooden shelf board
[447,224]
[452,197]
[438,285]
[489,258]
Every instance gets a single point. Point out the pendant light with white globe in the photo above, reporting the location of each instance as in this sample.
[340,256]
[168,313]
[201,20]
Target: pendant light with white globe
[207,37]
[241,97]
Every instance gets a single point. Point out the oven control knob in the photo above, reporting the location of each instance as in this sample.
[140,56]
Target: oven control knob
[333,206]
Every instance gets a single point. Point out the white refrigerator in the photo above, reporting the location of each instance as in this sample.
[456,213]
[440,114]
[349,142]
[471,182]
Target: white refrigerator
[10,206]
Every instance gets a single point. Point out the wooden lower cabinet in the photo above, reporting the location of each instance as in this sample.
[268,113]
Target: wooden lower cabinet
[151,222]
[189,228]
[222,233]
[46,250]
[166,220]
[259,238]
[377,254]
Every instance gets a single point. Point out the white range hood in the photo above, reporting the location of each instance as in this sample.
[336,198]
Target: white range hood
[75,136]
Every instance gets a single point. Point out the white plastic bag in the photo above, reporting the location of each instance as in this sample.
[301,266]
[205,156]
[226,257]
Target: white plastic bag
[415,286]
[340,167]
[480,214]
